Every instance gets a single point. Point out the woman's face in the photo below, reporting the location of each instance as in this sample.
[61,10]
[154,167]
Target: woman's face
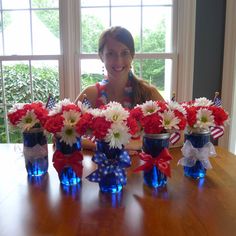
[117,59]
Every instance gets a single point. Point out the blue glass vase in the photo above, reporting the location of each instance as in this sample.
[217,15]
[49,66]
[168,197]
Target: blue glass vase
[198,140]
[35,151]
[67,175]
[110,182]
[153,144]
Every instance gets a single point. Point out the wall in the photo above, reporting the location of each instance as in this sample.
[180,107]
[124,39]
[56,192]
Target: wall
[209,46]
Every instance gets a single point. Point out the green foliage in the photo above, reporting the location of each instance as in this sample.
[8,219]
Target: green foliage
[88,79]
[17,90]
[91,30]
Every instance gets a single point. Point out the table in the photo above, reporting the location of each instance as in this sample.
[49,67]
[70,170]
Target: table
[184,207]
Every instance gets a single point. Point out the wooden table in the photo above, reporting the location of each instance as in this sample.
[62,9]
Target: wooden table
[183,207]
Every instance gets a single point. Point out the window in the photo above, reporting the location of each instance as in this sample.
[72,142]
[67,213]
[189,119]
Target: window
[29,55]
[151,24]
[50,46]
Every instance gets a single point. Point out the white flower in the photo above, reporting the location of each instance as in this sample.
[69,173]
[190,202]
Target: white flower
[58,106]
[169,121]
[84,107]
[205,119]
[16,107]
[71,117]
[202,102]
[117,136]
[68,135]
[28,121]
[115,113]
[149,108]
[176,106]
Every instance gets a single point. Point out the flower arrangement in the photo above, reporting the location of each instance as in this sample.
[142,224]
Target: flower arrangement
[155,117]
[203,115]
[111,123]
[64,119]
[27,116]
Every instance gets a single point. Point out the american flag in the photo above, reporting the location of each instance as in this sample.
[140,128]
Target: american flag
[86,102]
[217,100]
[50,102]
[173,98]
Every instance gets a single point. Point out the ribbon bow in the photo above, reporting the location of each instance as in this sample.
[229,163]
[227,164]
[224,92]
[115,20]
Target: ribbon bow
[73,160]
[191,155]
[161,162]
[110,166]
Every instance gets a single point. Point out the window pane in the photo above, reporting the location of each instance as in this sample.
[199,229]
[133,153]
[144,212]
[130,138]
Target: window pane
[17,33]
[157,72]
[94,21]
[45,4]
[94,3]
[125,2]
[91,72]
[16,82]
[131,13]
[157,29]
[157,2]
[45,26]
[15,4]
[45,76]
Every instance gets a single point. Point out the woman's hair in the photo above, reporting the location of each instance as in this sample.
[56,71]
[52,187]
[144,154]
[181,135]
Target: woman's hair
[142,90]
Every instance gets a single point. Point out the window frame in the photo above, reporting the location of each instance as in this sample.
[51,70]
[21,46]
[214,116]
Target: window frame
[183,60]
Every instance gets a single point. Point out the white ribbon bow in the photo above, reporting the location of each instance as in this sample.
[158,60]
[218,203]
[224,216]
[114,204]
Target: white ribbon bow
[35,152]
[191,154]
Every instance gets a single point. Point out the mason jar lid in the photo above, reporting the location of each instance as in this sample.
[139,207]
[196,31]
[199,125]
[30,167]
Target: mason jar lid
[157,136]
[197,131]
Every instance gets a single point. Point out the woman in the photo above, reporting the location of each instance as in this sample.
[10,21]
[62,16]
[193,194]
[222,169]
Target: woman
[116,50]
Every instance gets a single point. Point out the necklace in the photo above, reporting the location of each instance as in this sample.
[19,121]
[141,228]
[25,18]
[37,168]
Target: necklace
[103,97]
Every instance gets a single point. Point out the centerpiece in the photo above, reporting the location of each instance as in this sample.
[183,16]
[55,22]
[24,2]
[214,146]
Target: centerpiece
[204,119]
[112,126]
[30,119]
[160,123]
[63,120]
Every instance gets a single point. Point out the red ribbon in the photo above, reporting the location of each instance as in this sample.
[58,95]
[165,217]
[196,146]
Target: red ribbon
[73,160]
[161,162]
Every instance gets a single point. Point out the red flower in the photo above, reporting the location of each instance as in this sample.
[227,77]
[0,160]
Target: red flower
[84,124]
[54,123]
[100,127]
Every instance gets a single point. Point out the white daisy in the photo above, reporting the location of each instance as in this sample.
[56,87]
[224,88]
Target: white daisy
[68,135]
[16,107]
[117,136]
[71,117]
[202,102]
[149,108]
[170,121]
[28,121]
[115,113]
[205,119]
[176,106]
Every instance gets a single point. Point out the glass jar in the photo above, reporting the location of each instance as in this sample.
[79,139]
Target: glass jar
[198,139]
[35,150]
[153,144]
[67,160]
[110,175]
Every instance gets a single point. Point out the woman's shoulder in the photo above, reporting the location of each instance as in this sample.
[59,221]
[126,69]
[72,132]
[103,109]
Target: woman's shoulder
[91,93]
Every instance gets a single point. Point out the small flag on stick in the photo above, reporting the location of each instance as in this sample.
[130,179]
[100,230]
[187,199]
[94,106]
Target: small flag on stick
[50,102]
[86,102]
[173,98]
[217,100]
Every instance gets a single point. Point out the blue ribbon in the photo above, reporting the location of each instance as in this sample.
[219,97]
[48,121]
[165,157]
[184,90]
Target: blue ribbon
[107,166]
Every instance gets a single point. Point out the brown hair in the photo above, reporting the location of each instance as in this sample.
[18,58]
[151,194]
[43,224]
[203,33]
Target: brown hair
[118,33]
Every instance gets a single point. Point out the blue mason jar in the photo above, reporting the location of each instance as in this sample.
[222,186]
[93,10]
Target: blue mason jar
[153,144]
[110,182]
[35,151]
[67,175]
[198,140]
